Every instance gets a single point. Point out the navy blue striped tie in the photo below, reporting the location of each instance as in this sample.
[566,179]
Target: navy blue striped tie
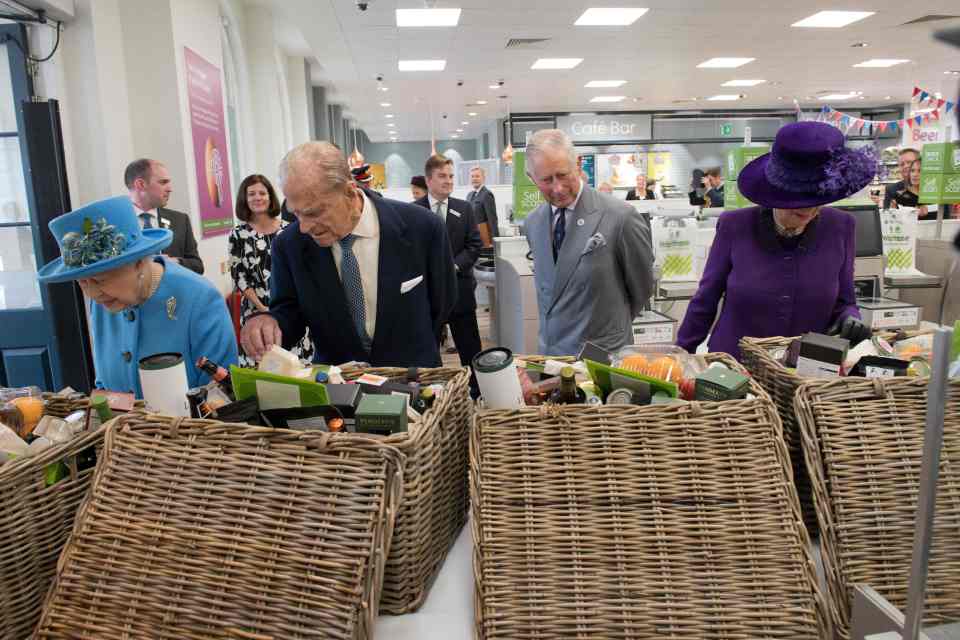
[353,288]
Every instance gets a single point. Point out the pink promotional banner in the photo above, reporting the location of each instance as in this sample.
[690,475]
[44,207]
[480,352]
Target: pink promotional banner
[209,144]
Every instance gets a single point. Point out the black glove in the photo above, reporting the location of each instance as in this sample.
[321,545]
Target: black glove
[852,329]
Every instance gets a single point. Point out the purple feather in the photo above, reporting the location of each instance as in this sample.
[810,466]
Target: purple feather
[849,167]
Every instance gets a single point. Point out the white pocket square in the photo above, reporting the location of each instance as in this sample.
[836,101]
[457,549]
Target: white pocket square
[405,287]
[595,242]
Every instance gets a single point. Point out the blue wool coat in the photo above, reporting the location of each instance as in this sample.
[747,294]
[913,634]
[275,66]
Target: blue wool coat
[767,289]
[196,323]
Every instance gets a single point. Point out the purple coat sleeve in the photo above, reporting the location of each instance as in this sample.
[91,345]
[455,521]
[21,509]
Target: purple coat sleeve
[703,307]
[847,298]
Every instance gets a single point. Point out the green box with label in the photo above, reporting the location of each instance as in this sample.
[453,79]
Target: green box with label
[732,198]
[939,188]
[740,157]
[941,157]
[382,414]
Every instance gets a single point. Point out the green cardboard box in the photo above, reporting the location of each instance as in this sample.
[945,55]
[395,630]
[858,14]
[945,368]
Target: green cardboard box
[740,157]
[382,414]
[732,198]
[941,157]
[939,188]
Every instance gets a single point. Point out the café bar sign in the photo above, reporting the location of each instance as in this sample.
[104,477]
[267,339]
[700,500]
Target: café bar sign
[607,127]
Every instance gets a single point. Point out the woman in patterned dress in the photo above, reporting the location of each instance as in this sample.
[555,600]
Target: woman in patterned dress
[258,210]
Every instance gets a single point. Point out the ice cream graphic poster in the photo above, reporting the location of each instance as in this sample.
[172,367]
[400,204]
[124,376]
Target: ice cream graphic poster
[209,131]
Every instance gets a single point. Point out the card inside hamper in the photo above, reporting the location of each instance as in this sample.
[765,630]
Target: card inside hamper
[639,523]
[218,530]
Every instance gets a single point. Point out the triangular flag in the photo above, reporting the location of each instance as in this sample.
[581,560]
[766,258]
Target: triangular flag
[894,125]
[837,115]
[926,118]
[936,114]
[923,96]
[919,120]
[916,90]
[825,109]
[940,102]
[949,106]
[910,122]
[882,126]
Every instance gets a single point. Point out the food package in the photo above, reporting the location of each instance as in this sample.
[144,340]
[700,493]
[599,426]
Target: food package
[668,363]
[21,409]
[54,429]
[918,346]
[281,362]
[11,445]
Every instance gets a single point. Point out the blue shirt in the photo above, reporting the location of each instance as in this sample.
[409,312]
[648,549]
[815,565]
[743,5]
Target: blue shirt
[186,315]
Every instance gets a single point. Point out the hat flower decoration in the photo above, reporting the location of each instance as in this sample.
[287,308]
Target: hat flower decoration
[98,241]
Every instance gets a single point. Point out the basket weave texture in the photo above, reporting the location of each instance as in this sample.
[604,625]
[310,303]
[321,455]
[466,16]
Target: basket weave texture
[200,529]
[639,522]
[436,491]
[35,522]
[863,441]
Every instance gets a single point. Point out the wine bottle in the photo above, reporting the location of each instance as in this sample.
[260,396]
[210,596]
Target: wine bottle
[219,375]
[568,392]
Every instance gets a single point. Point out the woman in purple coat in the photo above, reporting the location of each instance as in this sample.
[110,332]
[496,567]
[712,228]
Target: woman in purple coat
[785,267]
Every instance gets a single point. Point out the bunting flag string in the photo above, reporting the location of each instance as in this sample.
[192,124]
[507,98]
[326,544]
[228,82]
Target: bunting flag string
[938,107]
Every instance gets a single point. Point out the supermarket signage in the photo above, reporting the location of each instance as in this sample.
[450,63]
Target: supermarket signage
[726,130]
[599,127]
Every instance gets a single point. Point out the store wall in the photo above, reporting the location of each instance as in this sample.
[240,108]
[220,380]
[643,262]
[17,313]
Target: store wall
[403,160]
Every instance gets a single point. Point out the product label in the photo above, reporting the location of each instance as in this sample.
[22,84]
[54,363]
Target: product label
[880,372]
[808,368]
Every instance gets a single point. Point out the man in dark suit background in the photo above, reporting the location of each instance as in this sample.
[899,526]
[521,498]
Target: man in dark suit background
[149,184]
[465,244]
[485,206]
[373,278]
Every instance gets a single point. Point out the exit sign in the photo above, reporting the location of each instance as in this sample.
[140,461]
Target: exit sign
[726,130]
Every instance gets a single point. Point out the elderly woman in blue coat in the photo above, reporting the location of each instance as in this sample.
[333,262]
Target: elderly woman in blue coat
[141,304]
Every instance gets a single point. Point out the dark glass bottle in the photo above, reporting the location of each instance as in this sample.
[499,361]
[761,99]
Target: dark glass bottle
[428,396]
[219,375]
[568,392]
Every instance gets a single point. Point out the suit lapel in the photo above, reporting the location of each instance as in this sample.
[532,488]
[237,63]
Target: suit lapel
[394,248]
[575,239]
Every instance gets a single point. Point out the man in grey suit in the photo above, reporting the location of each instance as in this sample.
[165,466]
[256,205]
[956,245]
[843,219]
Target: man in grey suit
[149,184]
[485,205]
[592,254]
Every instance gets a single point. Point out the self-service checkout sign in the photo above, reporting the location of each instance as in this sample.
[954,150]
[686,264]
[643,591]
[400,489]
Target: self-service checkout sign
[899,240]
[674,248]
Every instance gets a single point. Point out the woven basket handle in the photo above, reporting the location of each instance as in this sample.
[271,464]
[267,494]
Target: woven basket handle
[880,389]
[175,426]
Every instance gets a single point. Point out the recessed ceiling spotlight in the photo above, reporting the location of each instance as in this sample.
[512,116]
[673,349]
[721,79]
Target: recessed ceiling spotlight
[724,63]
[464,123]
[779,97]
[428,17]
[384,88]
[888,97]
[832,19]
[880,63]
[494,86]
[385,104]
[472,114]
[481,102]
[459,130]
[952,73]
[556,63]
[389,115]
[454,136]
[610,17]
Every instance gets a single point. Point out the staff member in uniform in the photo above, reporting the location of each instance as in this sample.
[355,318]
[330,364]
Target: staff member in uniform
[785,268]
[141,304]
[372,278]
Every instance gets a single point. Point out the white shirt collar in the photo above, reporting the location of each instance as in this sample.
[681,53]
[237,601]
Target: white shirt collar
[368,226]
[433,201]
[138,210]
[575,202]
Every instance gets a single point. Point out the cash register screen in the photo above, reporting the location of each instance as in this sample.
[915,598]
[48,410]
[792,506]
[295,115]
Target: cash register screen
[869,230]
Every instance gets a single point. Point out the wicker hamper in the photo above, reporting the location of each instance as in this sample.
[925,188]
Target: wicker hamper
[199,529]
[435,495]
[677,521]
[863,442]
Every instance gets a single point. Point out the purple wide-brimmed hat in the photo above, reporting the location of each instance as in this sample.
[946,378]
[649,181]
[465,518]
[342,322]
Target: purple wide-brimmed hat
[809,166]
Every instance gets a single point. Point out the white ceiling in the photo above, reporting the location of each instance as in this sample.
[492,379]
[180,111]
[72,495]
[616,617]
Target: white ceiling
[657,55]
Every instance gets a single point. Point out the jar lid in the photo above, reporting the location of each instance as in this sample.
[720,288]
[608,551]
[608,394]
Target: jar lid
[493,360]
[160,361]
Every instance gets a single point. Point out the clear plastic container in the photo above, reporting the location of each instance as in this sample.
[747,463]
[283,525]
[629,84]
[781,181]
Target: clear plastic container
[665,362]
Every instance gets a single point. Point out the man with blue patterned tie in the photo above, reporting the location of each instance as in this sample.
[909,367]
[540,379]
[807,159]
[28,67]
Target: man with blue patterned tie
[373,278]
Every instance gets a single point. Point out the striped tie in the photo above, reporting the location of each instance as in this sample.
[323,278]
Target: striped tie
[353,288]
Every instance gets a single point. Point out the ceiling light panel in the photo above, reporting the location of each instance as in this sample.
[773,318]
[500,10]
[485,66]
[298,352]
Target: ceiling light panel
[839,96]
[605,84]
[724,63]
[742,83]
[610,17]
[556,63]
[428,17]
[422,65]
[385,104]
[724,97]
[608,99]
[880,63]
[832,19]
